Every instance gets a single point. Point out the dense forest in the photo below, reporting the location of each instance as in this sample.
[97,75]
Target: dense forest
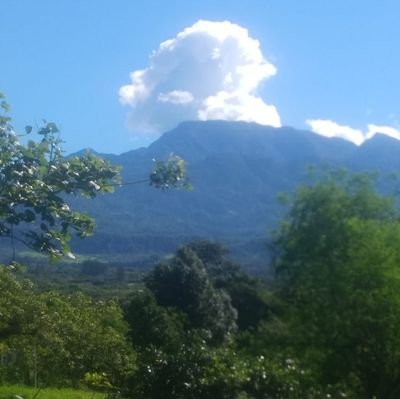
[325,323]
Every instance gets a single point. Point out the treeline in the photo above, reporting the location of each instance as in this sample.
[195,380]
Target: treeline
[198,326]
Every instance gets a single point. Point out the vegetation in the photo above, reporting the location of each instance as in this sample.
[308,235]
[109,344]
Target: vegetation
[197,326]
[51,339]
[338,271]
[34,180]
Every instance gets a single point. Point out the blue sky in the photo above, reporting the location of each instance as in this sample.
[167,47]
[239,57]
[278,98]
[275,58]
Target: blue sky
[334,64]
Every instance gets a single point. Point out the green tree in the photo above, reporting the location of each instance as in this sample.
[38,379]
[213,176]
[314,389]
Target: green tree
[249,296]
[35,179]
[61,338]
[152,324]
[184,284]
[337,266]
[170,173]
[197,371]
[51,338]
[14,296]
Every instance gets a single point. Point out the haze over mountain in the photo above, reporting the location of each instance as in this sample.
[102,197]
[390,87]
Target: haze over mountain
[237,170]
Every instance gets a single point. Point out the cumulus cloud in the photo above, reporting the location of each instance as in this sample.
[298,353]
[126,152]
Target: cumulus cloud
[328,128]
[210,70]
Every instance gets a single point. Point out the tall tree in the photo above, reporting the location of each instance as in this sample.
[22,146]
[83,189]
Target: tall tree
[248,295]
[184,284]
[337,264]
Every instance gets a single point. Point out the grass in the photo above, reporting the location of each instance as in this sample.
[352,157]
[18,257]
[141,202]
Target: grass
[11,392]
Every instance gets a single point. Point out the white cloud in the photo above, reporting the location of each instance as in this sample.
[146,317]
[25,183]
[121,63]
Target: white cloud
[210,70]
[328,128]
[389,131]
[239,107]
[138,90]
[176,97]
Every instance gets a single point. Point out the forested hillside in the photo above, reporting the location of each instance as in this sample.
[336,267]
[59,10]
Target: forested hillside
[237,171]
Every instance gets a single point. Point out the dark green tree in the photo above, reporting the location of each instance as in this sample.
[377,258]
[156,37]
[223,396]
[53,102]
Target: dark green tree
[152,324]
[248,294]
[183,284]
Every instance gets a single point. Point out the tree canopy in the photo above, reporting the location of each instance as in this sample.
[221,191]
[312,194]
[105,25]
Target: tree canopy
[36,179]
[337,266]
[184,284]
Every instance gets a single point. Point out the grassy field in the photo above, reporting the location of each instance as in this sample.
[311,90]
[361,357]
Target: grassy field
[11,392]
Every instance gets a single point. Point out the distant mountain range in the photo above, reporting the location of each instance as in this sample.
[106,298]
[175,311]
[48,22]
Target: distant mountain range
[237,170]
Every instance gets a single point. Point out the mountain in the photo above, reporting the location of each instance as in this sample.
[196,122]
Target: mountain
[237,170]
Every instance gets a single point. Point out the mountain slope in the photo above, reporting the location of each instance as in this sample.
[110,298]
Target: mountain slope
[237,170]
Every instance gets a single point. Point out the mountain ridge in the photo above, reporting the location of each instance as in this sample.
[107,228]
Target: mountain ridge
[237,170]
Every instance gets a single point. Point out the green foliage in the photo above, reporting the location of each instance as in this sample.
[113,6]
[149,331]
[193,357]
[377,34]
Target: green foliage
[210,253]
[53,339]
[152,324]
[15,295]
[184,285]
[191,369]
[249,297]
[5,108]
[185,346]
[34,180]
[170,174]
[172,374]
[337,257]
[196,371]
[98,381]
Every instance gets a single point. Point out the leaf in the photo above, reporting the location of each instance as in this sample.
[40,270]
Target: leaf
[52,127]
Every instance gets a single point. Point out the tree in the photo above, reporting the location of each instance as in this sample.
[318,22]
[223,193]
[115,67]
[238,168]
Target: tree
[170,173]
[13,298]
[61,338]
[152,324]
[184,284]
[337,266]
[52,338]
[36,180]
[248,295]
